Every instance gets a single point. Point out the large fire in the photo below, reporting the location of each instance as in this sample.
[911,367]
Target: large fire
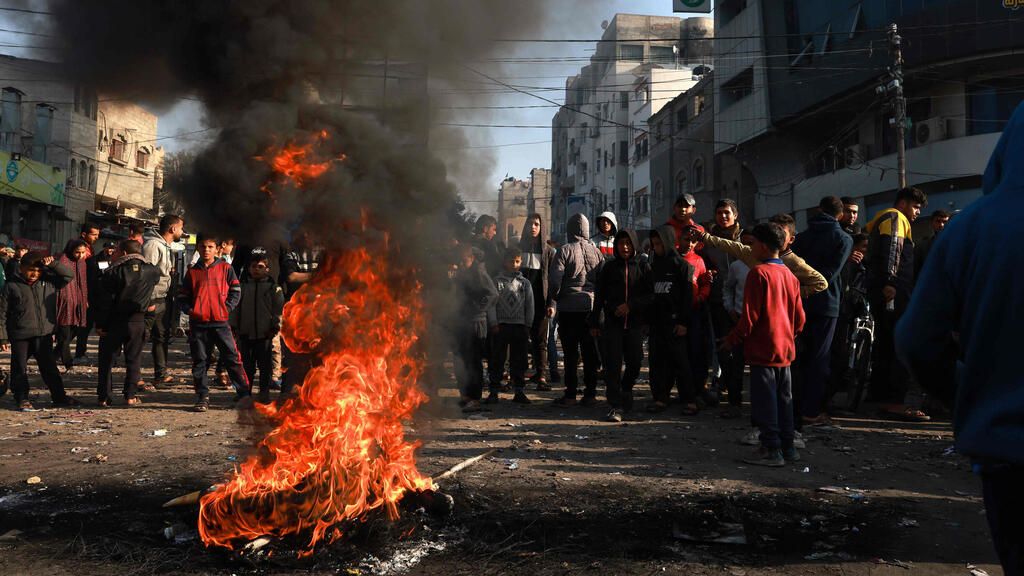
[337,450]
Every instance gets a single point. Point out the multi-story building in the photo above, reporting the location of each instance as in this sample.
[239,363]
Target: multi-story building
[600,137]
[57,157]
[683,151]
[513,206]
[798,116]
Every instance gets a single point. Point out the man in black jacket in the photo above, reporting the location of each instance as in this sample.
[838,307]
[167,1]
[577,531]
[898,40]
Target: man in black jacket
[825,246]
[28,316]
[126,288]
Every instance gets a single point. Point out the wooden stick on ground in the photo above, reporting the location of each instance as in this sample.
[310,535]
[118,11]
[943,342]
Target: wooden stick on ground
[465,464]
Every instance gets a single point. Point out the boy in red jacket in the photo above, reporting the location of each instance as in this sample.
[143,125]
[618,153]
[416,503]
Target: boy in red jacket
[772,317]
[209,292]
[699,332]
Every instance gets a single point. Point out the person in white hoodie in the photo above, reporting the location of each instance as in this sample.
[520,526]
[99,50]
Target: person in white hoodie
[607,227]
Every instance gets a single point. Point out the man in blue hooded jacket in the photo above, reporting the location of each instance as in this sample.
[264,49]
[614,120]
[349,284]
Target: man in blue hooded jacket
[961,337]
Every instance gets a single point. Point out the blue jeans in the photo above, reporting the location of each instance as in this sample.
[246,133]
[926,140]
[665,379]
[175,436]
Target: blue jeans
[771,404]
[200,342]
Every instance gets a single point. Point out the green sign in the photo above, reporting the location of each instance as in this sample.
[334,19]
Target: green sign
[692,6]
[31,180]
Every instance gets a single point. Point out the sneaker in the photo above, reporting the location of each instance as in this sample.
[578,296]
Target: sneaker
[492,398]
[66,402]
[589,400]
[798,440]
[25,405]
[543,386]
[752,438]
[766,457]
[521,398]
[202,405]
[615,415]
[471,406]
[791,455]
[566,401]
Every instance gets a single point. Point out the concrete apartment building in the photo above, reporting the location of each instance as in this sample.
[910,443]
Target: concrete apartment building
[56,160]
[513,196]
[798,117]
[600,137]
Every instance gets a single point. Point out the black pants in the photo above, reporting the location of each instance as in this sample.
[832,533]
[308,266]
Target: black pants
[771,405]
[699,346]
[574,332]
[814,364]
[514,340]
[257,353]
[1004,507]
[670,365]
[65,334]
[889,379]
[41,348]
[201,340]
[157,323]
[469,357]
[539,343]
[732,362]
[621,345]
[82,336]
[131,337]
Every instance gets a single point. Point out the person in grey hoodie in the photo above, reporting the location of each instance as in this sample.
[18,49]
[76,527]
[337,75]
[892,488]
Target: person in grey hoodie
[510,319]
[571,291]
[156,250]
[475,294]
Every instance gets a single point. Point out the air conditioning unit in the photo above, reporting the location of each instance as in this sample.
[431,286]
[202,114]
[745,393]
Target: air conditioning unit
[930,130]
[855,155]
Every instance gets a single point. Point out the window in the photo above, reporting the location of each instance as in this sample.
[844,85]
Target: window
[681,183]
[43,133]
[738,88]
[698,174]
[663,54]
[583,172]
[72,172]
[583,133]
[117,150]
[624,100]
[142,159]
[698,104]
[597,161]
[623,152]
[623,200]
[659,195]
[92,178]
[681,119]
[612,162]
[10,119]
[633,52]
[641,202]
[83,175]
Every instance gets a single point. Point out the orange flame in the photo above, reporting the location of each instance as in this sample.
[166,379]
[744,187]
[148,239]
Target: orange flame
[291,161]
[338,449]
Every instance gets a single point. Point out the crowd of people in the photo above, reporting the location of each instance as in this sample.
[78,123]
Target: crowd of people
[133,292]
[706,300]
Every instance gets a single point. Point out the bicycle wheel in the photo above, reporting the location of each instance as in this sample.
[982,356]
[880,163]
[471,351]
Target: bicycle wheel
[861,370]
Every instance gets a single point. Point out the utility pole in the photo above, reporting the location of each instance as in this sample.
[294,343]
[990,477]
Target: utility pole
[899,104]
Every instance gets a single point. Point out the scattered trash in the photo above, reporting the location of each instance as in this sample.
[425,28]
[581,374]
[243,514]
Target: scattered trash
[951,451]
[256,544]
[512,424]
[726,533]
[975,571]
[806,469]
[179,533]
[232,458]
[580,437]
[909,523]
[34,480]
[804,522]
[897,563]
[10,535]
[615,473]
[160,432]
[97,458]
[818,556]
[94,431]
[79,449]
[198,434]
[513,466]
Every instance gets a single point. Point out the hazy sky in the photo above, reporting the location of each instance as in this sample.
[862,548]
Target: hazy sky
[517,150]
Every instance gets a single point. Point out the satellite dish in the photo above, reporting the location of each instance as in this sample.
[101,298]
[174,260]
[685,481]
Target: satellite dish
[604,24]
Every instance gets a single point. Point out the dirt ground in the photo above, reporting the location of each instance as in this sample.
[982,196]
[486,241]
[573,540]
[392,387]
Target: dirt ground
[566,494]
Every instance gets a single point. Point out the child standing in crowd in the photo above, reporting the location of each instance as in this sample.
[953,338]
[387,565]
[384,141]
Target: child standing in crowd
[537,256]
[699,330]
[510,319]
[28,313]
[475,293]
[669,316]
[257,321]
[73,301]
[732,300]
[772,317]
[621,293]
[208,294]
[607,229]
